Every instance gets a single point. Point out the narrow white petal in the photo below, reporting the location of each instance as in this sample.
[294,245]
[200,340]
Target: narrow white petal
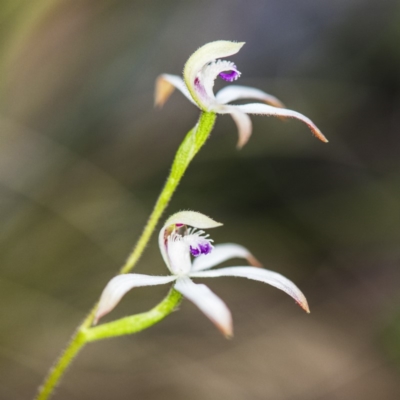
[120,285]
[244,126]
[237,92]
[221,253]
[205,54]
[262,275]
[208,302]
[191,218]
[165,85]
[264,109]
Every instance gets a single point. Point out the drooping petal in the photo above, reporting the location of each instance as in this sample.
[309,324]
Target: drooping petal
[221,253]
[264,109]
[262,275]
[208,302]
[204,55]
[191,218]
[165,85]
[244,126]
[120,285]
[237,92]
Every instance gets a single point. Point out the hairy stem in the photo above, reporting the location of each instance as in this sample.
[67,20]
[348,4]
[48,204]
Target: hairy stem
[135,323]
[55,374]
[192,143]
[123,326]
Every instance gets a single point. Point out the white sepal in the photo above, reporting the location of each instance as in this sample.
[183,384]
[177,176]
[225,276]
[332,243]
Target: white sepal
[262,275]
[221,253]
[208,302]
[243,124]
[238,92]
[264,109]
[120,285]
[165,85]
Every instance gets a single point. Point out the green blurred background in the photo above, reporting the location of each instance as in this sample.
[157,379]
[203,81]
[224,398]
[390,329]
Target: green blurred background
[83,155]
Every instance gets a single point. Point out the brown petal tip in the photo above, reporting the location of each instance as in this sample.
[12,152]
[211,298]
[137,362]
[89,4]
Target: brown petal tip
[318,134]
[226,330]
[163,90]
[253,261]
[304,305]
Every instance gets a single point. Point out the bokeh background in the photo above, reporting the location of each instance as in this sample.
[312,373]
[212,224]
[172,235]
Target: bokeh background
[83,155]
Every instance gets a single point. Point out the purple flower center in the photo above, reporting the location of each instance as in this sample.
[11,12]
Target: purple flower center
[204,248]
[229,76]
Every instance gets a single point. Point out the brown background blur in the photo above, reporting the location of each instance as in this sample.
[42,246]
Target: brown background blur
[83,155]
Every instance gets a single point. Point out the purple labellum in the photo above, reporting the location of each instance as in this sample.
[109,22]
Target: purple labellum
[178,225]
[195,251]
[229,76]
[201,249]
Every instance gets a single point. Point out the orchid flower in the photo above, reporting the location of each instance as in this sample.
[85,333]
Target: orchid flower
[199,74]
[180,238]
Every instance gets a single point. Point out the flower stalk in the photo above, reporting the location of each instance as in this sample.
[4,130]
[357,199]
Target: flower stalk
[192,143]
[56,373]
[123,326]
[190,146]
[135,323]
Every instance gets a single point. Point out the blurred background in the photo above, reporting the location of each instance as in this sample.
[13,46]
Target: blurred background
[83,156]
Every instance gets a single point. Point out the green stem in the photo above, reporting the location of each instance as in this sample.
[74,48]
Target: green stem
[192,143]
[135,323]
[123,326]
[190,146]
[55,374]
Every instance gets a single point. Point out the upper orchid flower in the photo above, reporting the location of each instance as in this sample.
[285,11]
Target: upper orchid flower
[177,244]
[199,74]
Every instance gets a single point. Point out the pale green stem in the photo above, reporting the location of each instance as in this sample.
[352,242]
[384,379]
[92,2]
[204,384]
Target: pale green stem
[135,323]
[123,326]
[192,143]
[55,374]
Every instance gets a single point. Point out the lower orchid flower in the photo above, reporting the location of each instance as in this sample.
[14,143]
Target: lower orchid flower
[178,244]
[199,74]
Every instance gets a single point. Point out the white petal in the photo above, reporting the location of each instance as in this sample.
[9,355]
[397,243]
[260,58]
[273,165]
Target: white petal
[205,54]
[263,109]
[244,126]
[221,253]
[120,285]
[237,92]
[191,218]
[262,275]
[208,302]
[165,85]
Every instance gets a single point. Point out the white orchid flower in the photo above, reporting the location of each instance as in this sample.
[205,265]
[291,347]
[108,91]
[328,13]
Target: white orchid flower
[199,74]
[179,239]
